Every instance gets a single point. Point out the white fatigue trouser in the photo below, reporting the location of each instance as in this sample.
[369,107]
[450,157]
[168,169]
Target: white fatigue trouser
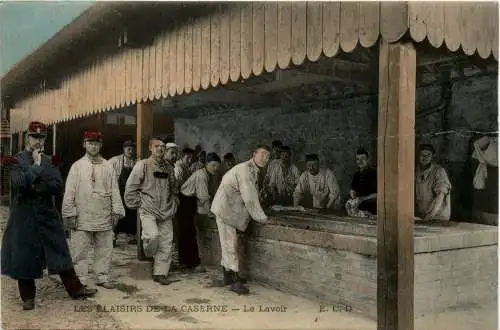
[157,237]
[229,245]
[80,244]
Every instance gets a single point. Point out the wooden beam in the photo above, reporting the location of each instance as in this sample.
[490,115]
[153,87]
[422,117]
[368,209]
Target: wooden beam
[395,194]
[144,128]
[144,131]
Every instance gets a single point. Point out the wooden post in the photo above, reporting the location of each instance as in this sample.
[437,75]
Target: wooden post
[395,191]
[144,128]
[144,132]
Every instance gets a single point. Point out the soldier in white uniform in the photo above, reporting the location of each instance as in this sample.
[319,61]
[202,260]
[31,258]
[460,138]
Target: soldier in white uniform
[123,165]
[432,187]
[152,189]
[92,206]
[282,177]
[317,187]
[235,202]
[202,186]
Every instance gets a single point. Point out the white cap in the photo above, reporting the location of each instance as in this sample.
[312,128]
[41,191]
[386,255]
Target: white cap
[170,145]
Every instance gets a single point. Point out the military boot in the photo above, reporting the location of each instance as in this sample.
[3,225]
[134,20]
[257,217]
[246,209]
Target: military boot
[238,286]
[29,304]
[228,276]
[83,293]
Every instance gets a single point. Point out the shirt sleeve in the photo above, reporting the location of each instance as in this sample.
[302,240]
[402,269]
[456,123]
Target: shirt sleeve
[116,199]
[188,188]
[333,187]
[301,188]
[202,193]
[250,196]
[115,164]
[69,200]
[132,195]
[441,182]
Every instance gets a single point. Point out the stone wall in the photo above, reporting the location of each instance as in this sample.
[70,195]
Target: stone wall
[336,132]
[458,278]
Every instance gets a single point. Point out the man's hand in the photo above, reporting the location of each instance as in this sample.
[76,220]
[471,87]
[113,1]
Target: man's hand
[37,156]
[115,218]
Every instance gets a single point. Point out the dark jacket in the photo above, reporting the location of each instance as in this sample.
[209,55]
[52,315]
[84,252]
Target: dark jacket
[34,237]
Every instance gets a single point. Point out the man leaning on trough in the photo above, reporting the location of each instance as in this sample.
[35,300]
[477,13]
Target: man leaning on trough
[235,202]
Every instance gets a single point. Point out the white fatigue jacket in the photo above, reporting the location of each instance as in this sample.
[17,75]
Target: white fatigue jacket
[237,199]
[152,188]
[118,163]
[428,183]
[322,187]
[282,180]
[92,195]
[197,185]
[182,172]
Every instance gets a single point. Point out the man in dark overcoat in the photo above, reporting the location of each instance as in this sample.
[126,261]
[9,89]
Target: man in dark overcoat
[34,238]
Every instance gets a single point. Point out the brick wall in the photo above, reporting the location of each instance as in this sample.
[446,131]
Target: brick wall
[336,132]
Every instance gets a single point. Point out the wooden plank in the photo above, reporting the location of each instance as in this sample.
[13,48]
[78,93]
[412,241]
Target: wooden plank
[299,32]
[369,23]
[469,14]
[271,35]
[393,19]
[215,49]
[115,75]
[188,57]
[258,37]
[331,28]
[494,47]
[418,15]
[246,40]
[349,26]
[158,67]
[152,72]
[485,28]
[107,83]
[197,55]
[139,61]
[180,60]
[205,51]
[145,74]
[173,62]
[435,23]
[314,30]
[224,47]
[395,191]
[284,34]
[165,76]
[235,43]
[452,17]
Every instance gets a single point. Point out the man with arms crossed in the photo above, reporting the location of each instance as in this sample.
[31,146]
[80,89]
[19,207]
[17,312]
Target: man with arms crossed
[235,202]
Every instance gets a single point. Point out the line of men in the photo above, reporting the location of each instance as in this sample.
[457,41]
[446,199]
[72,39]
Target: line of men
[165,187]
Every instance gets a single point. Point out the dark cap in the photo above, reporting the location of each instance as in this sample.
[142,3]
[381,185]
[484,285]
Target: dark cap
[428,147]
[229,156]
[262,146]
[312,157]
[37,128]
[129,143]
[213,157]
